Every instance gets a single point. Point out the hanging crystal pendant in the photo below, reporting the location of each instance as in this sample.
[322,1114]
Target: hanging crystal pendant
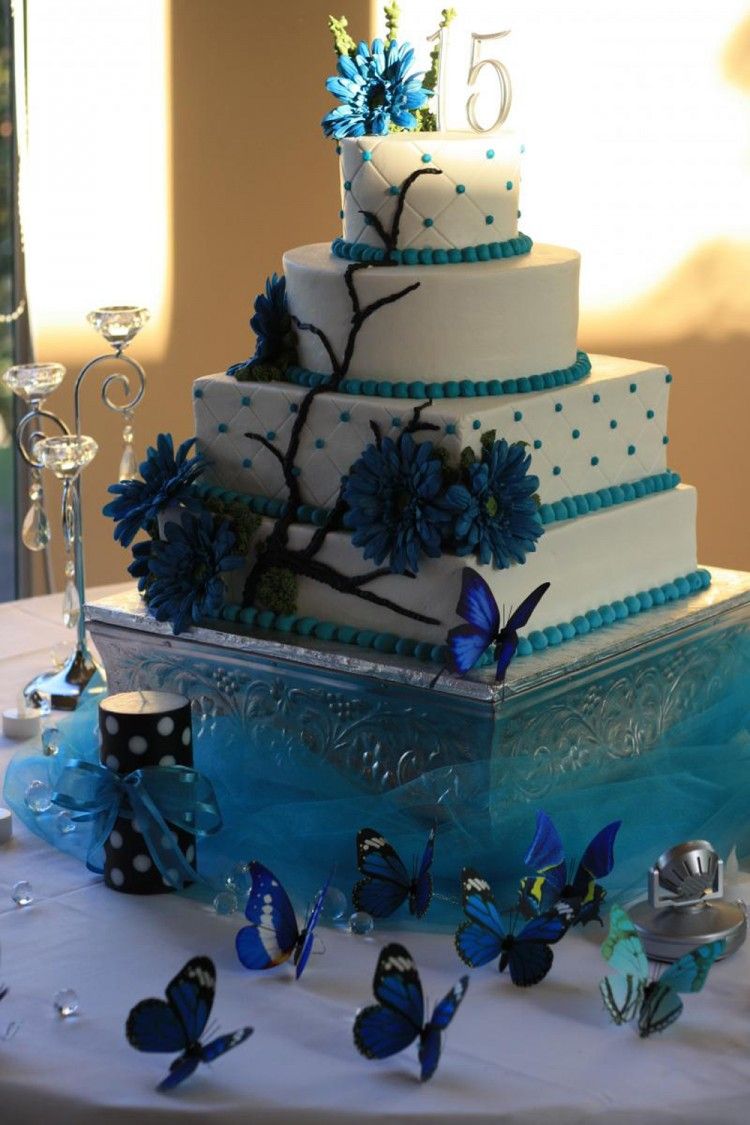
[71,604]
[35,530]
[128,463]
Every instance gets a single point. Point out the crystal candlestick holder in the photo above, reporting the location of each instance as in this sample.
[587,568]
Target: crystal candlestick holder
[118,324]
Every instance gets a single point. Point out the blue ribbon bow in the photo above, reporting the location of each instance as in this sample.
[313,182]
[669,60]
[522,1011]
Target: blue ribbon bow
[155,796]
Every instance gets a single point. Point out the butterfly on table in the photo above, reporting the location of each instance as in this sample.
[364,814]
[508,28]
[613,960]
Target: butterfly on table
[554,887]
[524,951]
[387,883]
[177,1023]
[477,605]
[655,1001]
[385,1028]
[273,935]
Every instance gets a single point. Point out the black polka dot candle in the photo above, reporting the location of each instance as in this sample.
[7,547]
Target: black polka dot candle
[139,729]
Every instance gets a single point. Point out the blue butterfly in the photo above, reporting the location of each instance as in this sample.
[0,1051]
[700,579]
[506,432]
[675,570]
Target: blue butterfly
[386,1028]
[526,954]
[656,1002]
[477,606]
[177,1023]
[387,883]
[551,888]
[273,935]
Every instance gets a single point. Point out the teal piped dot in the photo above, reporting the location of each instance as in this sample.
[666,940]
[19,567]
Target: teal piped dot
[537,443]
[245,400]
[346,634]
[293,407]
[460,189]
[634,606]
[347,185]
[596,398]
[396,422]
[581,625]
[553,635]
[247,463]
[558,407]
[222,427]
[489,220]
[296,471]
[320,443]
[613,424]
[450,428]
[393,190]
[665,440]
[522,149]
[265,619]
[385,642]
[271,435]
[631,450]
[633,388]
[305,625]
[576,434]
[537,640]
[198,393]
[338,150]
[621,610]
[524,647]
[668,377]
[607,614]
[508,185]
[428,222]
[476,424]
[426,158]
[345,416]
[556,471]
[366,155]
[649,414]
[490,153]
[568,630]
[517,416]
[365,637]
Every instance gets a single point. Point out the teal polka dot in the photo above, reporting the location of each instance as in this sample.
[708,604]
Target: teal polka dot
[222,427]
[341,214]
[293,407]
[428,222]
[665,440]
[319,443]
[476,424]
[517,416]
[537,443]
[271,435]
[633,388]
[460,189]
[595,460]
[508,185]
[296,471]
[198,393]
[631,450]
[450,428]
[345,416]
[247,463]
[522,149]
[649,414]
[558,407]
[426,158]
[596,398]
[393,190]
[576,434]
[490,153]
[518,214]
[347,185]
[556,471]
[613,424]
[396,422]
[489,220]
[245,400]
[366,155]
[668,377]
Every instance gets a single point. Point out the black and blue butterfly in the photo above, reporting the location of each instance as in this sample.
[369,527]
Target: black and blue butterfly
[482,628]
[273,935]
[177,1023]
[387,883]
[525,952]
[385,1028]
[554,887]
[632,993]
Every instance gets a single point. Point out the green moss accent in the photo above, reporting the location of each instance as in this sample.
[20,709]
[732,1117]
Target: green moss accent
[451,472]
[468,457]
[487,439]
[343,44]
[245,523]
[277,590]
[392,16]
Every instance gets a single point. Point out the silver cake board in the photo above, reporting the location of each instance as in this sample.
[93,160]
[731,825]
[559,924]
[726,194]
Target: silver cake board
[608,697]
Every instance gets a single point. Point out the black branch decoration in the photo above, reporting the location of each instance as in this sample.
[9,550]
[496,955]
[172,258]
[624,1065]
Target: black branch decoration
[275,551]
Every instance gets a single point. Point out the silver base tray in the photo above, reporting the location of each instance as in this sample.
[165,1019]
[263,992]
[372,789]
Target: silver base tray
[608,696]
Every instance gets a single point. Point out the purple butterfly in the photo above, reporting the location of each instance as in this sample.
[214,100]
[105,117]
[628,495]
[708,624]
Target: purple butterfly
[477,606]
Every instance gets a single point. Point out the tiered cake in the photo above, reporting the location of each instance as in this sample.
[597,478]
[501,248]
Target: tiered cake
[472,332]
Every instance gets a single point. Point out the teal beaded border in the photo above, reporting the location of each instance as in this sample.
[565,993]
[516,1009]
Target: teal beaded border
[570,507]
[454,388]
[427,256]
[537,640]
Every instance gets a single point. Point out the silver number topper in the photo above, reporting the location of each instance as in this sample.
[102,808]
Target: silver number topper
[476,64]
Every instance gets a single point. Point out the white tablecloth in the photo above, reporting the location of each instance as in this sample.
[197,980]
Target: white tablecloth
[546,1053]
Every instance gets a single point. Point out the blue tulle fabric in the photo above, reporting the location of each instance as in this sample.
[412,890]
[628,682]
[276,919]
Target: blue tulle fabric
[299,815]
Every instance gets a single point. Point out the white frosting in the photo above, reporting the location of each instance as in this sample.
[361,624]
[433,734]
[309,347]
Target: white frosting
[437,212]
[589,561]
[473,320]
[338,430]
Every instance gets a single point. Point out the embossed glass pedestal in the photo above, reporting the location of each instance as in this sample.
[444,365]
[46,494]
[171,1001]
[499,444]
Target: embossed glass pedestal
[590,717]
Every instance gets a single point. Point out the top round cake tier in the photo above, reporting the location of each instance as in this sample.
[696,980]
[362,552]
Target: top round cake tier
[473,201]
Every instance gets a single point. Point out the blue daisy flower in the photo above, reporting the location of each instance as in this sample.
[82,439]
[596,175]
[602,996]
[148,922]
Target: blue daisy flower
[166,478]
[495,514]
[272,325]
[185,581]
[392,492]
[376,90]
[139,566]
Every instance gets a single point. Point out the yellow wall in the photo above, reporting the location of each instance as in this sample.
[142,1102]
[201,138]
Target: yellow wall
[251,175]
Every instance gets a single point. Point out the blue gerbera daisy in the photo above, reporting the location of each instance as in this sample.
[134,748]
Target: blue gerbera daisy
[274,335]
[392,492]
[185,569]
[166,478]
[375,89]
[495,513]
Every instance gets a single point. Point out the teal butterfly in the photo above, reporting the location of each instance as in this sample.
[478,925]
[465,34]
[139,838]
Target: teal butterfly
[656,1002]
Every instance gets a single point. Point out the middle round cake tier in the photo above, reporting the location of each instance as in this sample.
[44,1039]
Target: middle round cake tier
[505,319]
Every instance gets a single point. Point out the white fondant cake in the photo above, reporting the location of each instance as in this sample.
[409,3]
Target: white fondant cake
[481,350]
